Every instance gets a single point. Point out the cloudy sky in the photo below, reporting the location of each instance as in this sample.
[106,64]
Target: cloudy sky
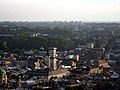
[51,10]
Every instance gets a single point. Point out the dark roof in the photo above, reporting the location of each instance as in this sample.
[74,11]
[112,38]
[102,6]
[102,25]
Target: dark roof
[38,72]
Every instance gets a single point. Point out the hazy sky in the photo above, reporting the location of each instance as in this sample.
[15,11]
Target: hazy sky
[51,10]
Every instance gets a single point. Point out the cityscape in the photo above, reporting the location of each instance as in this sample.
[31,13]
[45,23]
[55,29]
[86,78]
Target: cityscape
[35,56]
[59,45]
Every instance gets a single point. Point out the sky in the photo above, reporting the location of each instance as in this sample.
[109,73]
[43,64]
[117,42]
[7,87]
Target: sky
[59,10]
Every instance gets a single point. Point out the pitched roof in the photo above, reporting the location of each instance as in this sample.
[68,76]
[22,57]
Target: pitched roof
[103,63]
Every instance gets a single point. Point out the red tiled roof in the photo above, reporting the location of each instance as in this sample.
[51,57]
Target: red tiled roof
[103,63]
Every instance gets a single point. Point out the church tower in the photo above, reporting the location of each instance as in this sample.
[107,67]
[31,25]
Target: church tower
[54,59]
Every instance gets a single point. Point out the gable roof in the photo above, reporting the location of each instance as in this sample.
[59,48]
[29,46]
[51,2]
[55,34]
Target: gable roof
[103,63]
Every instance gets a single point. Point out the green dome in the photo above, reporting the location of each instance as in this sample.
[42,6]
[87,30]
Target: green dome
[2,71]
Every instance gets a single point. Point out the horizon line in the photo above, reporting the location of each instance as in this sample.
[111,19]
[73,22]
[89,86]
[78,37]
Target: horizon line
[107,21]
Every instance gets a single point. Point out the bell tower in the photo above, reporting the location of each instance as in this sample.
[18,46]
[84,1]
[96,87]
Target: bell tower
[54,59]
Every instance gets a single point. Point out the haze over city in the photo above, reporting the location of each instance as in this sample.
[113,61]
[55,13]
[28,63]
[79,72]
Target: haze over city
[63,10]
[59,44]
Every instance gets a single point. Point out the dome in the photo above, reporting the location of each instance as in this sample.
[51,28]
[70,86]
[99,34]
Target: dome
[42,48]
[2,71]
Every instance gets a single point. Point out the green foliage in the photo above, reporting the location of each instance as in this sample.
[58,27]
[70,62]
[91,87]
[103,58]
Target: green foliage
[16,43]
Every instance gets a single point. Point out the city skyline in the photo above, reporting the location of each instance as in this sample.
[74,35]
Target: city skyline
[59,10]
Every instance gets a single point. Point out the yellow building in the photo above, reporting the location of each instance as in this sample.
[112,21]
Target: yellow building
[95,70]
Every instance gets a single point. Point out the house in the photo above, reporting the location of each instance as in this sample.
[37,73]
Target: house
[114,75]
[94,70]
[70,61]
[100,66]
[103,63]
